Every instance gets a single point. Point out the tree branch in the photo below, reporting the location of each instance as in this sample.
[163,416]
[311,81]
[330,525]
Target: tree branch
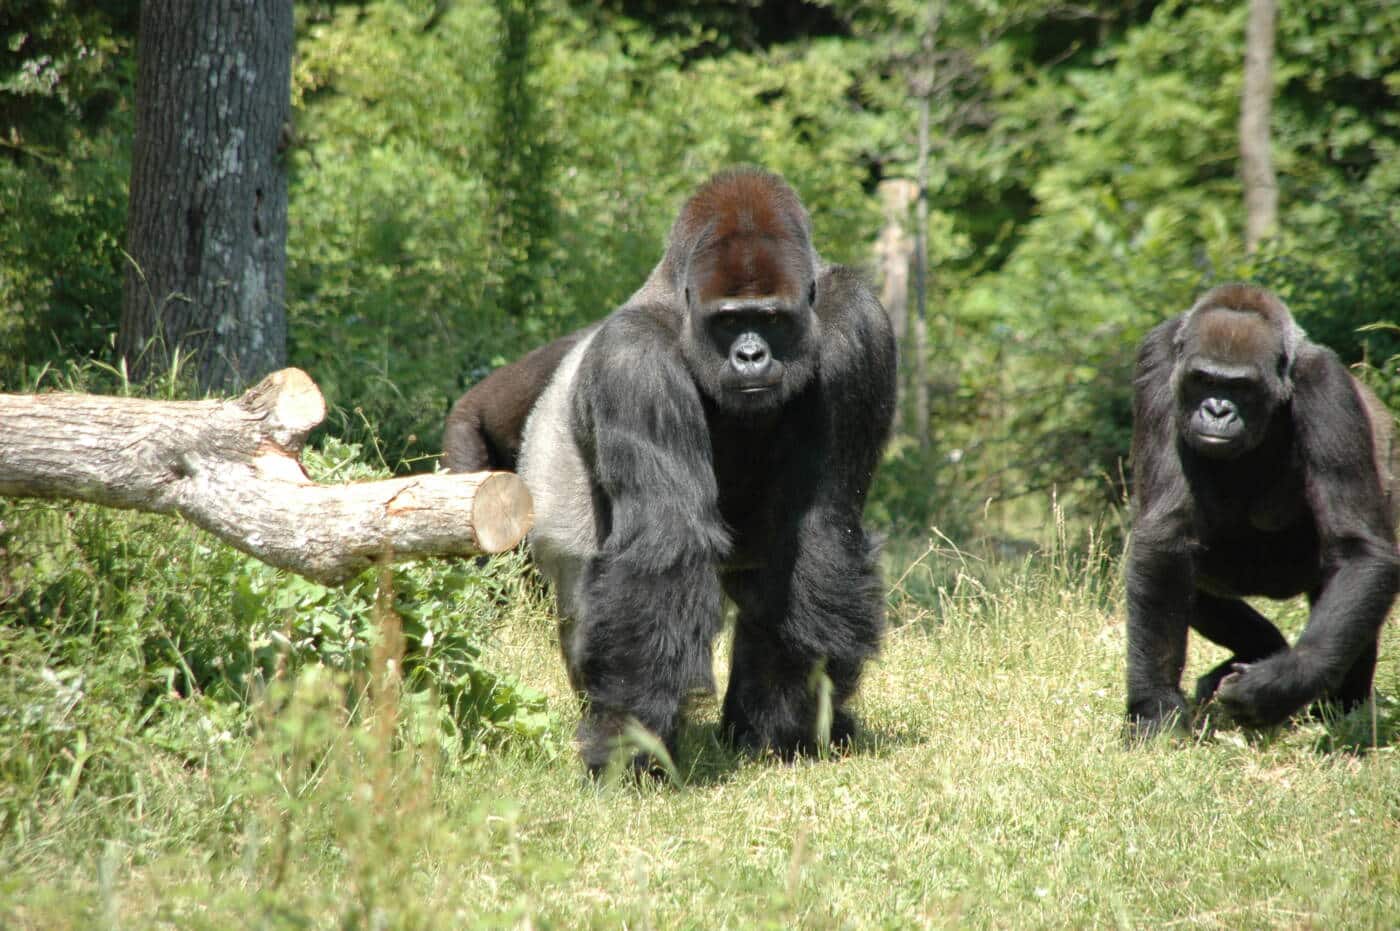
[232,467]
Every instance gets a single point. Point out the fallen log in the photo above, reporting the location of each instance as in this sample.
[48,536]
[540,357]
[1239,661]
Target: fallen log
[233,467]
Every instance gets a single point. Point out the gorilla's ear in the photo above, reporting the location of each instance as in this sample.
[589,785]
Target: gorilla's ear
[1293,338]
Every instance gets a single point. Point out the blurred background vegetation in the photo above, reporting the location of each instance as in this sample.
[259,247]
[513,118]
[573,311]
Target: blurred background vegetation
[471,179]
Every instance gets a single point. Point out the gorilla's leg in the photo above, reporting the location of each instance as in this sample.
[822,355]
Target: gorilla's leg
[821,614]
[1238,628]
[766,704]
[640,642]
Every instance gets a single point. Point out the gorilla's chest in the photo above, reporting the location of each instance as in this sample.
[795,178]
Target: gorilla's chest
[1270,548]
[1257,498]
[764,475]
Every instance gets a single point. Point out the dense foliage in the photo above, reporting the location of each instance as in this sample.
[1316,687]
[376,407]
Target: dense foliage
[117,623]
[472,179]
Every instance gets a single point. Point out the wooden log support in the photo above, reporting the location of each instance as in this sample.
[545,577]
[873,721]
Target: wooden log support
[233,468]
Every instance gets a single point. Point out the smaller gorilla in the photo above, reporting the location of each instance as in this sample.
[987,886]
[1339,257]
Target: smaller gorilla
[1261,468]
[485,426]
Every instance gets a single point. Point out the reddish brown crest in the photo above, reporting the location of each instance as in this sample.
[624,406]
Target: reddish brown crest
[751,236]
[1242,324]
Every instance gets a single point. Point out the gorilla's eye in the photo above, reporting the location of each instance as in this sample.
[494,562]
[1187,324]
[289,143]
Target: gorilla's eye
[812,293]
[687,294]
[727,327]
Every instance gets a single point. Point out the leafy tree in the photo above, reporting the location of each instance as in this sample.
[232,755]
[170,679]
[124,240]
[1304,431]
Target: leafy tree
[456,199]
[521,180]
[59,71]
[65,78]
[395,303]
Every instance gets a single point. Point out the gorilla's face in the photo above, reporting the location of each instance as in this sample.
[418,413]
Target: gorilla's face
[751,340]
[1229,381]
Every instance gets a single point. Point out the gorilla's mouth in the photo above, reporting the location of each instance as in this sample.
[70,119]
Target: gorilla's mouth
[764,396]
[1217,445]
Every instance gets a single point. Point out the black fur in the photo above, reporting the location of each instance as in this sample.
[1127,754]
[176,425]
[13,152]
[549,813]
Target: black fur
[1261,468]
[485,426]
[711,470]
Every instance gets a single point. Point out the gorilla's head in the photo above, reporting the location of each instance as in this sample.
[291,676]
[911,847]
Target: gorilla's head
[747,272]
[1234,353]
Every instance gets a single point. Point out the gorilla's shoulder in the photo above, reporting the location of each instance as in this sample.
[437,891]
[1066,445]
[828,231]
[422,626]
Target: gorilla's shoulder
[852,317]
[844,285]
[640,323]
[1157,348]
[634,346]
[1316,364]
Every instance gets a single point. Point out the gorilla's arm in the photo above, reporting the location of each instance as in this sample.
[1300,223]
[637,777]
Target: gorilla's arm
[651,595]
[838,595]
[465,447]
[857,377]
[1160,575]
[1360,567]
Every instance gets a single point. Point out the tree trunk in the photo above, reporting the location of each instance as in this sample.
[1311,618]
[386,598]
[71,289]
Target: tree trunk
[207,220]
[920,316]
[232,468]
[894,253]
[1256,163]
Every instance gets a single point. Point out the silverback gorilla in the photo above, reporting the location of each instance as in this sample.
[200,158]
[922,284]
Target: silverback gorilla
[1262,468]
[716,435]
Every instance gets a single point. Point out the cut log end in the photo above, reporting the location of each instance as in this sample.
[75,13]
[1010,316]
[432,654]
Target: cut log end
[501,512]
[299,403]
[289,403]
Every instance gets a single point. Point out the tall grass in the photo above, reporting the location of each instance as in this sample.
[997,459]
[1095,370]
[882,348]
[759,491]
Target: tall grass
[989,787]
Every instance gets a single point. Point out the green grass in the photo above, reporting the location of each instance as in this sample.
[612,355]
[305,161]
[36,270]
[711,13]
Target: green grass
[990,789]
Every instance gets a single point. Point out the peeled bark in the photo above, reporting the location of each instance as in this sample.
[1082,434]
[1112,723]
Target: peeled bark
[894,251]
[1256,161]
[894,255]
[233,468]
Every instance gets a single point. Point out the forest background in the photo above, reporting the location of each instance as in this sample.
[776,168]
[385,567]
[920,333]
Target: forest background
[469,180]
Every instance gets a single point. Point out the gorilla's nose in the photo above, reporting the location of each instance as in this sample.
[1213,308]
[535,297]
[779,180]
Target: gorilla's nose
[1219,408]
[750,357]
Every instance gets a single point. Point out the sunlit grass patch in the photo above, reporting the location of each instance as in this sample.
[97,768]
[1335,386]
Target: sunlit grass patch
[989,786]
